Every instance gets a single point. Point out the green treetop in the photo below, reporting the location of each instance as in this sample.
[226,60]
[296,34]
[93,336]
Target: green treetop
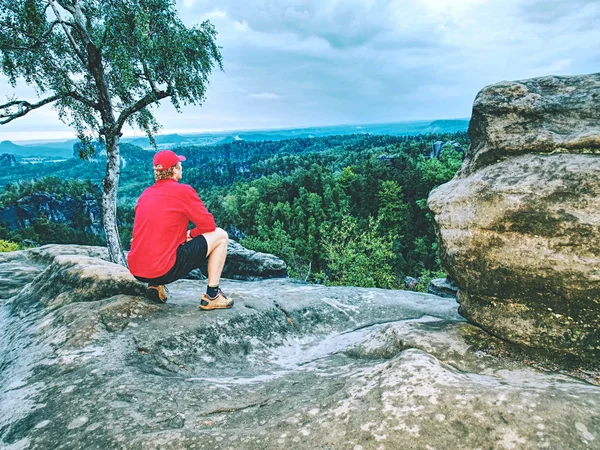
[101,64]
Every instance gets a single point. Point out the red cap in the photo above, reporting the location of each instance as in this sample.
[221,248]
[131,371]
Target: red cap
[166,159]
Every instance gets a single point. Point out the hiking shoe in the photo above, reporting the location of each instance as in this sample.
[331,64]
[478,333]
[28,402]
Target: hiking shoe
[221,301]
[157,294]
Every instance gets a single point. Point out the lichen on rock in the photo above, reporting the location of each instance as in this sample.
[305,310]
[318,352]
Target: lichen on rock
[519,226]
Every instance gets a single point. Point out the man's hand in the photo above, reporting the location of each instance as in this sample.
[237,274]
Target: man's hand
[189,238]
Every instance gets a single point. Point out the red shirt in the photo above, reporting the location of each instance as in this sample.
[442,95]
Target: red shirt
[162,215]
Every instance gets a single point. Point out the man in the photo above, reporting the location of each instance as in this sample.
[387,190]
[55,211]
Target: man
[162,248]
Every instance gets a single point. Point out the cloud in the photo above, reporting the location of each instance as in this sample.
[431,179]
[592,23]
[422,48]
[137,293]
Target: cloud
[551,12]
[353,61]
[266,96]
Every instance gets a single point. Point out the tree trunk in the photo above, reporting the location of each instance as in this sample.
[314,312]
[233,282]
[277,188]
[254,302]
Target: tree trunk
[109,201]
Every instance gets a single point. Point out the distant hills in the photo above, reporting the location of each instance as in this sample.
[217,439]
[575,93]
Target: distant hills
[64,149]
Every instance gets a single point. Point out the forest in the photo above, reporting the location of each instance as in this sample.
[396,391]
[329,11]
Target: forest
[340,210]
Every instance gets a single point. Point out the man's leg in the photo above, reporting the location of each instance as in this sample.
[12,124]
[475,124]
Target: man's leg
[216,253]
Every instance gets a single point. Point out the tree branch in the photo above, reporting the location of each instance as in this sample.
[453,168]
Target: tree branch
[64,26]
[79,26]
[23,107]
[82,99]
[148,99]
[94,62]
[37,39]
[149,77]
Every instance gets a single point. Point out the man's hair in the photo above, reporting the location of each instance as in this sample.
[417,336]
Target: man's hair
[164,174]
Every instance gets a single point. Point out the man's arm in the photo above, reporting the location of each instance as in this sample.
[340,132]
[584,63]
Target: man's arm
[133,229]
[197,213]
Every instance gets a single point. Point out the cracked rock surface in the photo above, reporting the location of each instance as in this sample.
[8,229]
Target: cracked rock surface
[86,362]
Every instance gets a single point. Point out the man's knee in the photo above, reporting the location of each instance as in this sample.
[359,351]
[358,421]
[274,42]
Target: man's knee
[222,235]
[216,238]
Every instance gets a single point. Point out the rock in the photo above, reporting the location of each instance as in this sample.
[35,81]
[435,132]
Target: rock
[47,253]
[196,274]
[235,233]
[72,277]
[410,283]
[540,115]
[8,160]
[519,227]
[241,264]
[16,271]
[438,146]
[245,264]
[66,210]
[385,157]
[442,287]
[308,367]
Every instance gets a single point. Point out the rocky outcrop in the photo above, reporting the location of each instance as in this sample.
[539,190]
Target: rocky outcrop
[8,160]
[438,146]
[241,263]
[519,226]
[542,115]
[245,264]
[410,283]
[82,213]
[92,364]
[443,287]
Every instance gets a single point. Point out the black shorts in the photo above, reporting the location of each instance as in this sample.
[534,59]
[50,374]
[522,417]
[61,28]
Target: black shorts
[190,255]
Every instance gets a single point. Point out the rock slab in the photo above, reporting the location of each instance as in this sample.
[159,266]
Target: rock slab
[309,368]
[245,264]
[443,287]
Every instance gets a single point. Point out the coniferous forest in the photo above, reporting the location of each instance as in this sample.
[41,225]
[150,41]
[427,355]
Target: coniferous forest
[340,210]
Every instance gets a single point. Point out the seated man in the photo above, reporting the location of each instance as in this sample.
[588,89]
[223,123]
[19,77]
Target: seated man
[162,250]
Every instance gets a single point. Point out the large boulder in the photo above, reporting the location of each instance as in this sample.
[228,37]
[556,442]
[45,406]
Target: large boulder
[443,287]
[245,264]
[519,226]
[96,366]
[541,115]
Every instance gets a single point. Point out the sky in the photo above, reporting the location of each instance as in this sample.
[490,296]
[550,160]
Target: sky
[294,63]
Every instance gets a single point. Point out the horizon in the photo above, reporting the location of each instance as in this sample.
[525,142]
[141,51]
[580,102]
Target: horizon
[70,136]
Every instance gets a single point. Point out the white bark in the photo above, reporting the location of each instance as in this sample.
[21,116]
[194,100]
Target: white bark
[109,201]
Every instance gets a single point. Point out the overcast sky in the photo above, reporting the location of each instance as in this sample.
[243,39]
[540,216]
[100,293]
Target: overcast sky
[293,63]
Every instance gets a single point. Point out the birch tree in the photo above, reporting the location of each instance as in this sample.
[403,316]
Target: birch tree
[102,64]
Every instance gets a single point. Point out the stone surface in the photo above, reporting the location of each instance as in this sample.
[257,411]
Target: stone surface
[443,287]
[245,264]
[519,227]
[309,367]
[47,253]
[241,264]
[542,115]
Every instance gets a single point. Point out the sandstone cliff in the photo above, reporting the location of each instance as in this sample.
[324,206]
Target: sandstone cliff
[82,213]
[519,226]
